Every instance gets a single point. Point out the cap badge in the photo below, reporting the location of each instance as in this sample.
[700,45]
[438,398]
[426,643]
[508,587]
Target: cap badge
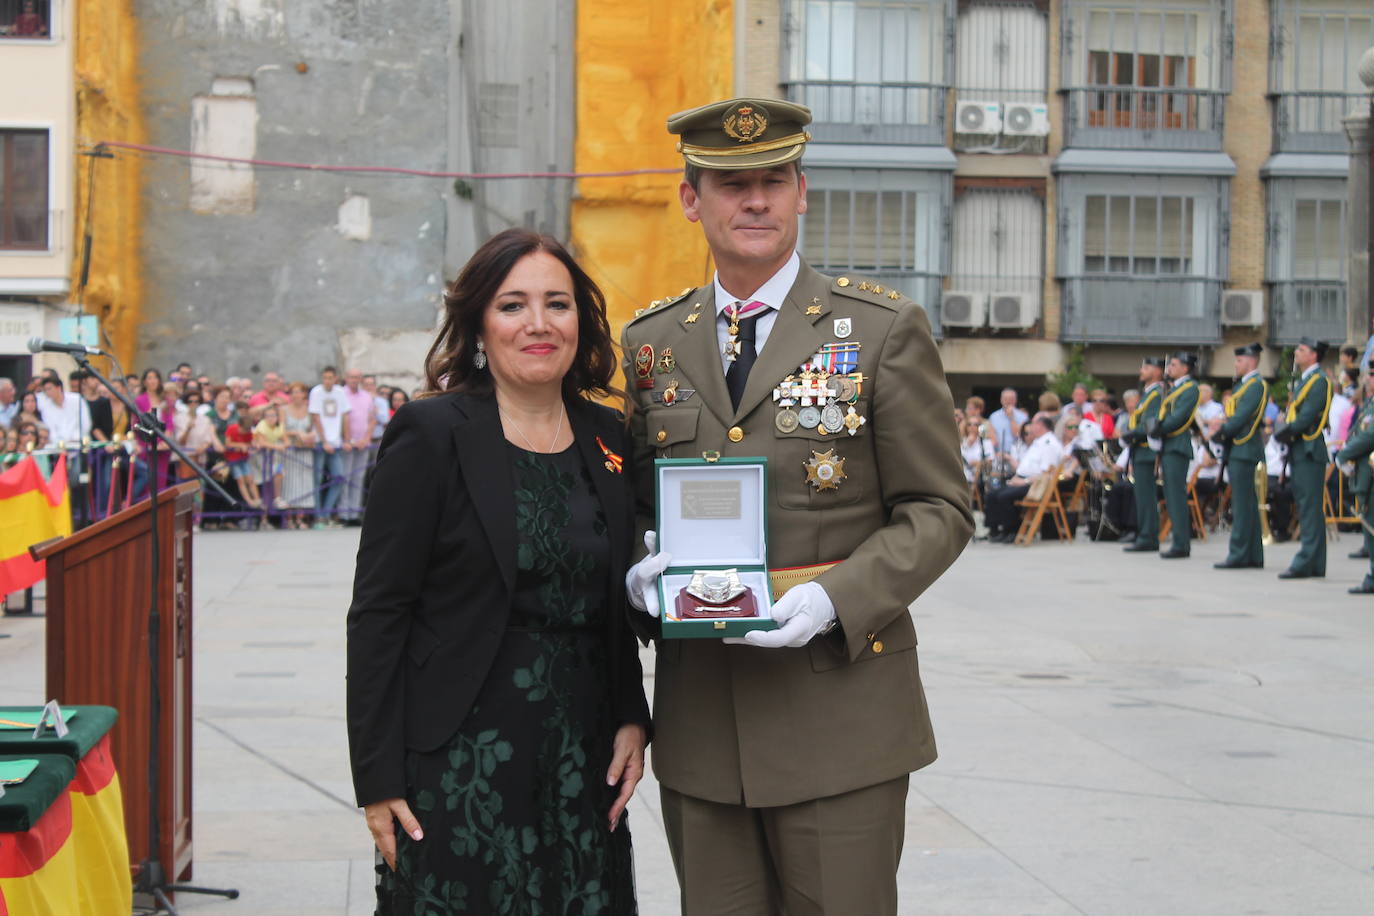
[745,123]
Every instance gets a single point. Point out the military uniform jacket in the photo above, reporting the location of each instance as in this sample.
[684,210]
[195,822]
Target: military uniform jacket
[1358,449]
[1176,418]
[1308,406]
[1244,417]
[771,727]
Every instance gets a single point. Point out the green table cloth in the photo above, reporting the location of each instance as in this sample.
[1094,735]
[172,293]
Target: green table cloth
[21,806]
[84,731]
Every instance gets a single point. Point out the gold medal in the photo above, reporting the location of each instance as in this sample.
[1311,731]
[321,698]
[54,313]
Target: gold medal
[666,361]
[824,471]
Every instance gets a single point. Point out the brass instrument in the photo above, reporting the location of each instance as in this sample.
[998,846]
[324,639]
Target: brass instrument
[1262,495]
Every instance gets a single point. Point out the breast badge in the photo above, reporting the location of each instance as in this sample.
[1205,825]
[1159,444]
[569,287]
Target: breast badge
[666,361]
[843,328]
[644,367]
[673,394]
[824,471]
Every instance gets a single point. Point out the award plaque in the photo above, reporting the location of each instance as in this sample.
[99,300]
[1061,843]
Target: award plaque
[713,519]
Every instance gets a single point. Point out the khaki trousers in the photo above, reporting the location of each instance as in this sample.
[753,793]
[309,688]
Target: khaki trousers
[832,856]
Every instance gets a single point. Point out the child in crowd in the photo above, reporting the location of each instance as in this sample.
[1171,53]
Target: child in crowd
[238,439]
[269,437]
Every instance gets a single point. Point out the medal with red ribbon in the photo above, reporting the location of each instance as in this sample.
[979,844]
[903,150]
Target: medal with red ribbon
[614,463]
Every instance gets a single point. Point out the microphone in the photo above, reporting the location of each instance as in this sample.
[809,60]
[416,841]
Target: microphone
[39,345]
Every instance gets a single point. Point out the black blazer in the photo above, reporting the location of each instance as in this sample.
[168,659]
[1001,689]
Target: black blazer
[436,572]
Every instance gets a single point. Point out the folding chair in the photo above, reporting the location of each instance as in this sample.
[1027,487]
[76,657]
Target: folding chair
[1042,497]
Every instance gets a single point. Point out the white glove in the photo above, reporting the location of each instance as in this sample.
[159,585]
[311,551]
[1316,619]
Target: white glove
[801,613]
[641,582]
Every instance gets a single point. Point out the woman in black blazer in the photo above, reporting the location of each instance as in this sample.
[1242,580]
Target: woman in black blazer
[496,707]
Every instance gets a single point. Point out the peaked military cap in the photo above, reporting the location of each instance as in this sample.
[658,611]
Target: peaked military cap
[1250,349]
[1154,361]
[1183,356]
[1314,344]
[742,133]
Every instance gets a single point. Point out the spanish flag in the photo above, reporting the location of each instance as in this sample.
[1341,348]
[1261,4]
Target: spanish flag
[38,873]
[31,510]
[104,886]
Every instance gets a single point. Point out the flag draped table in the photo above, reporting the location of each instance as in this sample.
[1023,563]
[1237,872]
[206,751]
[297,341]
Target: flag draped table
[32,509]
[95,806]
[38,863]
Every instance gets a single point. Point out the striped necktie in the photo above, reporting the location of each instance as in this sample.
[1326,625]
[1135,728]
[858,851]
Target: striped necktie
[737,376]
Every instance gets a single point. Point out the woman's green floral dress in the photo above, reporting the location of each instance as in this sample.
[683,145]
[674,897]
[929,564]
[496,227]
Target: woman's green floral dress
[514,808]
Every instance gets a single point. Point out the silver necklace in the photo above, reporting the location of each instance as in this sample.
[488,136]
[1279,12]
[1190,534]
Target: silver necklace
[516,426]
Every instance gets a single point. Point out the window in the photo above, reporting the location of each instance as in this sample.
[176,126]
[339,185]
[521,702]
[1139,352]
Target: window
[999,240]
[875,66]
[1002,56]
[1306,262]
[1316,47]
[25,18]
[24,189]
[1146,235]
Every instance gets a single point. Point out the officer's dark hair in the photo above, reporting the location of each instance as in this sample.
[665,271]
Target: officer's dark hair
[449,365]
[692,173]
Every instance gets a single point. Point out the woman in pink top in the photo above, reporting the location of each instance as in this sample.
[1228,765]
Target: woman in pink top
[155,401]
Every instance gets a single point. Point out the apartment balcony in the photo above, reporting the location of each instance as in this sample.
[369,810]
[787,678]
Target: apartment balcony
[1307,308]
[1310,122]
[1141,310]
[880,113]
[1117,117]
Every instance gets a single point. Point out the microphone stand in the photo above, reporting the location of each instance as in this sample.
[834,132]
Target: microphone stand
[152,874]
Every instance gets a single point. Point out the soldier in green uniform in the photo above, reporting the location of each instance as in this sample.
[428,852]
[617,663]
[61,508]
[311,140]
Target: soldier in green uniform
[1359,448]
[1175,425]
[1308,403]
[783,758]
[1140,432]
[1245,451]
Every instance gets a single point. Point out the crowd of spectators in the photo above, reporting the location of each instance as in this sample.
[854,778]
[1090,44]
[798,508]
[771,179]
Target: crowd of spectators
[1005,450]
[292,455]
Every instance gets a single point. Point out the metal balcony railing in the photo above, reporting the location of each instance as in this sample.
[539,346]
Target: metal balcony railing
[848,112]
[1141,310]
[1307,308]
[1128,117]
[1310,122]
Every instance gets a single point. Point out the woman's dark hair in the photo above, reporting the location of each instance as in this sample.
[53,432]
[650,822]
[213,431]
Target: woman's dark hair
[391,398]
[449,367]
[155,374]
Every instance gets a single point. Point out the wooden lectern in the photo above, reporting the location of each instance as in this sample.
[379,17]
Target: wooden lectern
[97,632]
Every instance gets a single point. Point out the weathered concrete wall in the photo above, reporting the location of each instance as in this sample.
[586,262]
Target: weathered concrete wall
[267,269]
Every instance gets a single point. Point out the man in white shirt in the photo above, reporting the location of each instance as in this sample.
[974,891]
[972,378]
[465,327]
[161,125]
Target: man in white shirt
[9,404]
[1207,407]
[1006,422]
[328,404]
[1045,454]
[66,415]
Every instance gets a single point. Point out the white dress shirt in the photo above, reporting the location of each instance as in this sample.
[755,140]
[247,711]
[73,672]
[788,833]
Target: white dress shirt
[1044,454]
[773,293]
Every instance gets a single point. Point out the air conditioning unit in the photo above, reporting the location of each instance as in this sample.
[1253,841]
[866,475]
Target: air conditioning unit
[1242,307]
[960,309]
[1013,310]
[1024,119]
[972,117]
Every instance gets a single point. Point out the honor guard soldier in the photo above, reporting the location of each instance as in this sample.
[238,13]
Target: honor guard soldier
[1244,456]
[1141,432]
[783,757]
[1175,425]
[1359,448]
[1309,400]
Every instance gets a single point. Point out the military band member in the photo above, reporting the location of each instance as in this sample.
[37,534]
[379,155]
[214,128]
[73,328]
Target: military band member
[783,758]
[1309,402]
[1175,427]
[1359,448]
[1244,439]
[1141,430]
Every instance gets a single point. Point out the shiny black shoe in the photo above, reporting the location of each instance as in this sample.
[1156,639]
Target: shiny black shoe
[1174,555]
[1360,554]
[1226,564]
[1364,588]
[1140,547]
[1293,574]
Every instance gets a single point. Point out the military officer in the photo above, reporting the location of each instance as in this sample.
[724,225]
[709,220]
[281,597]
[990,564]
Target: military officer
[1175,425]
[1359,448]
[1141,431]
[1245,452]
[783,758]
[1309,401]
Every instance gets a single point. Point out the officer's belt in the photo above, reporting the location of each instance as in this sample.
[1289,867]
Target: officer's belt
[787,578]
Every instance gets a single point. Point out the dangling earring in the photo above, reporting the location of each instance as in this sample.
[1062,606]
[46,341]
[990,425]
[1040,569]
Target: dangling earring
[479,359]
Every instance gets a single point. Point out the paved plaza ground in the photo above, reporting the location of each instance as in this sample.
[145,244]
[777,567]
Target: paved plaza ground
[1118,735]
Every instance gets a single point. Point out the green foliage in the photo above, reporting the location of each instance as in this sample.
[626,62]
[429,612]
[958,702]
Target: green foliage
[1283,378]
[1075,371]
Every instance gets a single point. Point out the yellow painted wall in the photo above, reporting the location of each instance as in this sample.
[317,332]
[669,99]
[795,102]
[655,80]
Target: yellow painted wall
[637,63]
[107,108]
